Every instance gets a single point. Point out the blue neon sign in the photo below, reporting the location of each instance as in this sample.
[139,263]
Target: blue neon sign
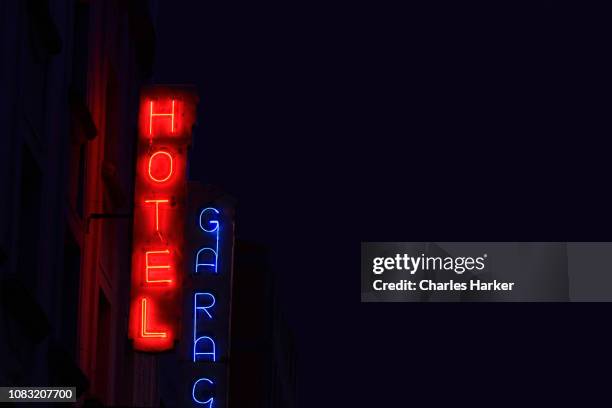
[208,348]
[207,386]
[197,306]
[207,257]
[204,347]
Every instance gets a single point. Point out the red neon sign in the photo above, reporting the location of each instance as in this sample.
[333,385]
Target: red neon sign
[167,114]
[160,173]
[157,210]
[146,334]
[152,115]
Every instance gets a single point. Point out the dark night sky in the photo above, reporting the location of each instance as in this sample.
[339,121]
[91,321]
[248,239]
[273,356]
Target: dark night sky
[333,125]
[254,138]
[263,137]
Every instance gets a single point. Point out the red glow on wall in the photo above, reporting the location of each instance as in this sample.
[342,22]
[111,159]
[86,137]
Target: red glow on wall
[167,114]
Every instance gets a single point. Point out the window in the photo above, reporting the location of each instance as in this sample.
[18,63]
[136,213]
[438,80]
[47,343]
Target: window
[80,48]
[29,217]
[69,293]
[115,196]
[82,125]
[103,348]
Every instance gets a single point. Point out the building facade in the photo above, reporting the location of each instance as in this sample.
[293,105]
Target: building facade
[71,75]
[263,365]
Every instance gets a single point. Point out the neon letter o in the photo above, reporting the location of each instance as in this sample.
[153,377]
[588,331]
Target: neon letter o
[160,180]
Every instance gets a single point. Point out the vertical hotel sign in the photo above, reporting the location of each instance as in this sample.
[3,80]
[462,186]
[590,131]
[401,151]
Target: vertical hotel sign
[167,114]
